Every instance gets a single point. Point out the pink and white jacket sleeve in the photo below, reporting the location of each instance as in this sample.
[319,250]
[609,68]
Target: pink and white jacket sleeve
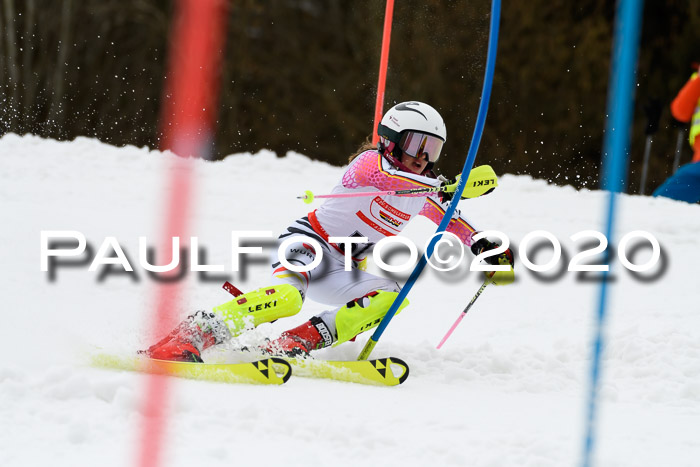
[434,210]
[368,170]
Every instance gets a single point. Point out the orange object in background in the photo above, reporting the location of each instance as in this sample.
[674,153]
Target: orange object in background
[685,106]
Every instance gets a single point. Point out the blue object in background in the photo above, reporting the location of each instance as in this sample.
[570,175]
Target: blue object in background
[620,104]
[684,185]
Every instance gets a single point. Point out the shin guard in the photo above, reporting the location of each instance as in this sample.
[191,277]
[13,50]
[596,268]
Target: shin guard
[259,306]
[364,313]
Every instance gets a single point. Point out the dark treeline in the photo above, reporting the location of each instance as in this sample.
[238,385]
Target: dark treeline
[301,75]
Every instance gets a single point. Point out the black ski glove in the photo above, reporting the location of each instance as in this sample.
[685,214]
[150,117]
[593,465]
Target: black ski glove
[485,245]
[505,258]
[443,195]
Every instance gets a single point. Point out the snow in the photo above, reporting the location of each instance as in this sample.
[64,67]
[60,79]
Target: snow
[508,388]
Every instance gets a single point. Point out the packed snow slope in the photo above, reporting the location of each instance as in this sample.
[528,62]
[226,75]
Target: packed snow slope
[508,389]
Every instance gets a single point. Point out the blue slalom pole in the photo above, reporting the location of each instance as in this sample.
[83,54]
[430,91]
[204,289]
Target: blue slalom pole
[615,156]
[471,156]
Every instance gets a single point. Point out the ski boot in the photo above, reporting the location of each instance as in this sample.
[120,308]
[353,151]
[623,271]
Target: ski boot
[300,341]
[187,342]
[355,317]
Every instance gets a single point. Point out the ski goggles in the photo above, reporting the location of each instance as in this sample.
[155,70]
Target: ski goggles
[417,145]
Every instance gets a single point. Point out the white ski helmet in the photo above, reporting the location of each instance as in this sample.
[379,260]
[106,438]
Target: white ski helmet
[414,128]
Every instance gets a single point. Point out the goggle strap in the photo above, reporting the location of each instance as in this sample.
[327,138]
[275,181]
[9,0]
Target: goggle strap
[388,133]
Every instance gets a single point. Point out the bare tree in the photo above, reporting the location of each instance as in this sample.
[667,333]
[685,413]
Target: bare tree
[29,80]
[11,61]
[58,112]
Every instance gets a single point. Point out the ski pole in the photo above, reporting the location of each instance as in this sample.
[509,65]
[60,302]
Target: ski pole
[309,196]
[480,181]
[679,149]
[652,109]
[645,164]
[463,313]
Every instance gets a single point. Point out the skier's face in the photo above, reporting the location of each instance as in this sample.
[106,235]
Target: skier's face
[418,149]
[415,164]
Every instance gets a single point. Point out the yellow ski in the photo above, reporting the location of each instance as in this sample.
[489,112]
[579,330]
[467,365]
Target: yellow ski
[271,370]
[379,372]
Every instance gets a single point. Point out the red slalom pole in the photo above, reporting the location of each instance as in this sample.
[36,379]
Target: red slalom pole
[383,64]
[187,127]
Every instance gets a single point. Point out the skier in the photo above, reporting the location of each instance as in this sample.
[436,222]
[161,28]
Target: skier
[411,138]
[684,185]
